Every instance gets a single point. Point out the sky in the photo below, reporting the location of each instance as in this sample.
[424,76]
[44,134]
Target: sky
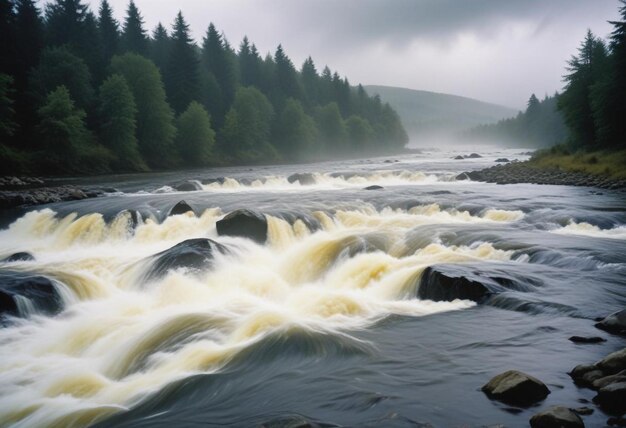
[498,51]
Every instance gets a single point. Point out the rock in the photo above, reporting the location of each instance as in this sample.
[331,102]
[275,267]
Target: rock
[459,157]
[462,176]
[613,363]
[612,398]
[607,380]
[181,207]
[474,156]
[19,257]
[581,370]
[614,323]
[585,411]
[188,186]
[502,160]
[588,378]
[244,223]
[593,339]
[556,417]
[516,388]
[374,187]
[616,422]
[305,179]
[194,254]
[21,292]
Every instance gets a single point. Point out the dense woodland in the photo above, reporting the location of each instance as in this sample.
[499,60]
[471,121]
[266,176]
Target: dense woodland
[592,105]
[82,93]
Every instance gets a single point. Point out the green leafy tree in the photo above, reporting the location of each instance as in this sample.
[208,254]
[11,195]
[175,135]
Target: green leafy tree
[247,127]
[195,138]
[295,132]
[360,133]
[58,66]
[134,38]
[332,130]
[155,119]
[181,78]
[118,125]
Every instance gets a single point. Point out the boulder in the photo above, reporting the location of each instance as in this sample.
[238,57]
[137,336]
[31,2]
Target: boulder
[613,363]
[244,223]
[305,179]
[181,207]
[196,254]
[188,186]
[19,291]
[516,388]
[612,398]
[581,339]
[614,323]
[502,160]
[607,380]
[459,157]
[556,417]
[19,257]
[374,187]
[474,156]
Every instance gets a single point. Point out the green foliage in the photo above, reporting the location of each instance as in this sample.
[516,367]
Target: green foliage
[155,128]
[195,138]
[7,113]
[160,47]
[58,66]
[108,31]
[118,125]
[246,130]
[295,132]
[360,133]
[134,38]
[181,78]
[332,130]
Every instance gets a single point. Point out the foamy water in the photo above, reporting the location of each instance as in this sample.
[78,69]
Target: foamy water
[586,229]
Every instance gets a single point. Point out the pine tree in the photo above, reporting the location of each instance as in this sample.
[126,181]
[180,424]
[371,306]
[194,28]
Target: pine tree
[195,138]
[249,64]
[181,78]
[287,83]
[117,127]
[7,113]
[134,38]
[310,82]
[30,39]
[108,28]
[8,36]
[219,61]
[160,47]
[155,119]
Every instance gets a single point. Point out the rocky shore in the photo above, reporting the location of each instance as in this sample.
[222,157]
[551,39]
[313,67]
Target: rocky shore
[526,172]
[19,191]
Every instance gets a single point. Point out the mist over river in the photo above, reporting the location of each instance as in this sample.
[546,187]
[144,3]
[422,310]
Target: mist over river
[323,320]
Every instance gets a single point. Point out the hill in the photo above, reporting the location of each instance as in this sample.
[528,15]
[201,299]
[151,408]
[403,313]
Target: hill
[427,115]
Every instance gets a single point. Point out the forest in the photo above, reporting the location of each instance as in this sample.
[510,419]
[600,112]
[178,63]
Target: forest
[81,93]
[589,114]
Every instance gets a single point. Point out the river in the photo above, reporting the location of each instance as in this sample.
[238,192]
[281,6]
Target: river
[322,321]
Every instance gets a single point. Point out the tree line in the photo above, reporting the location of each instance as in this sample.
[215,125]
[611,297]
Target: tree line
[592,105]
[83,93]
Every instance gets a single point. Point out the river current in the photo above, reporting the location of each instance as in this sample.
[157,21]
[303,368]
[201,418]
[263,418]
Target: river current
[322,322]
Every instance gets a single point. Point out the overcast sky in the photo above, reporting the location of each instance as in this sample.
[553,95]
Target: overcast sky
[494,50]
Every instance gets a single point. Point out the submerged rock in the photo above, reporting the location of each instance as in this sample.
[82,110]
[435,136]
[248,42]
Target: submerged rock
[556,417]
[502,160]
[195,254]
[474,156]
[19,257]
[374,187]
[20,291]
[516,388]
[459,157]
[305,179]
[244,223]
[181,207]
[581,339]
[188,186]
[614,323]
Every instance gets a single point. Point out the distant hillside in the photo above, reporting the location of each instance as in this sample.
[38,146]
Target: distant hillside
[430,114]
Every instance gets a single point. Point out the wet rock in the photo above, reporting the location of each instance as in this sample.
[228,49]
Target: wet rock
[612,398]
[244,223]
[194,254]
[616,422]
[585,411]
[502,160]
[305,179]
[19,257]
[474,156]
[516,388]
[614,323]
[459,157]
[592,339]
[19,290]
[45,195]
[374,187]
[607,380]
[181,207]
[581,370]
[613,363]
[588,378]
[556,417]
[188,186]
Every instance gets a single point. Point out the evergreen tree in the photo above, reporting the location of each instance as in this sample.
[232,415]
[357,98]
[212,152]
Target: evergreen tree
[8,35]
[195,138]
[249,64]
[332,130]
[109,32]
[219,62]
[287,83]
[360,134]
[160,47]
[134,38]
[295,132]
[7,113]
[310,82]
[181,78]
[155,128]
[29,40]
[58,66]
[117,128]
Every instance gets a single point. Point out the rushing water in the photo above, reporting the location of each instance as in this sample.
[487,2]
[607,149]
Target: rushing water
[322,321]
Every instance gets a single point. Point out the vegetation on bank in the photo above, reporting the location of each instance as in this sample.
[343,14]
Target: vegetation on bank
[82,93]
[607,163]
[592,105]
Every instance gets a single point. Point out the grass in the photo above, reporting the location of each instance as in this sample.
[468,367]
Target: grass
[611,164]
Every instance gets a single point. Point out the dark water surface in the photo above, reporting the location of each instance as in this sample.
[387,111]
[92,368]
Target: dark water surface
[307,325]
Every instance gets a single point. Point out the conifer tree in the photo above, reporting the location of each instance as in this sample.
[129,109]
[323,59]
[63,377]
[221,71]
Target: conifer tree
[160,47]
[219,62]
[108,28]
[181,77]
[7,113]
[287,83]
[310,82]
[134,38]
